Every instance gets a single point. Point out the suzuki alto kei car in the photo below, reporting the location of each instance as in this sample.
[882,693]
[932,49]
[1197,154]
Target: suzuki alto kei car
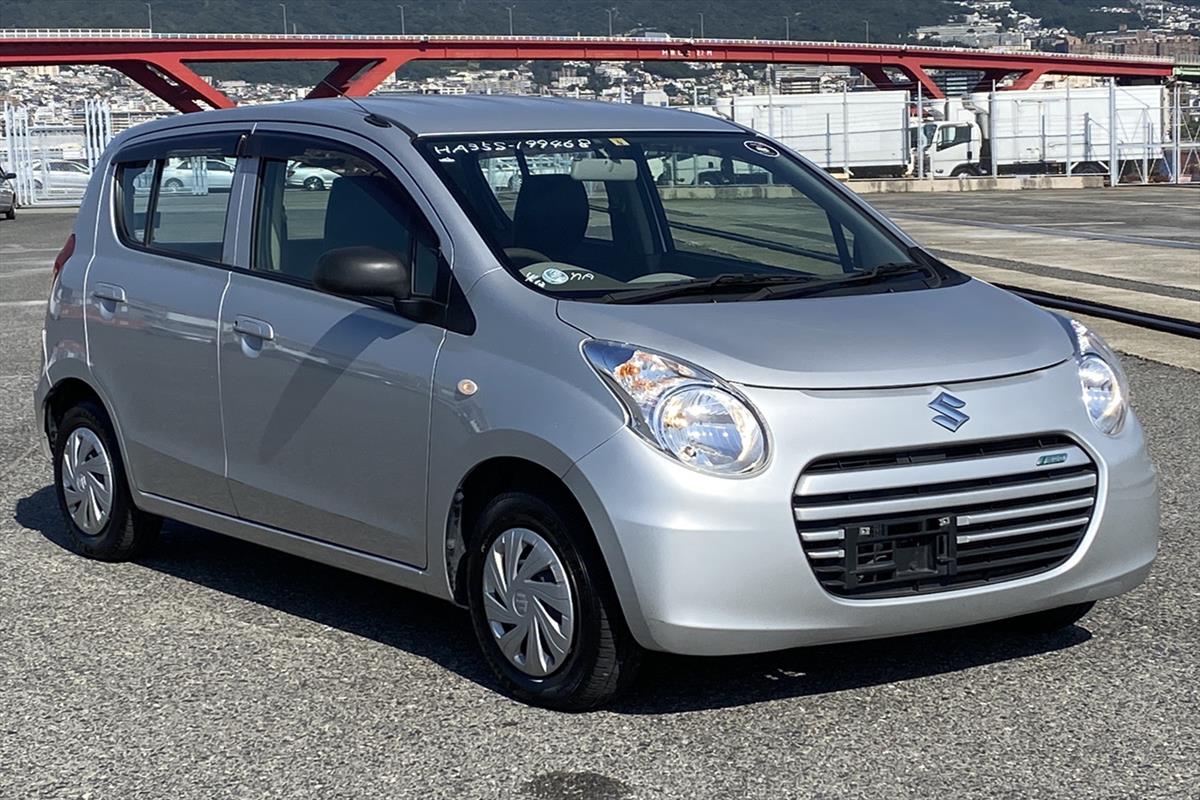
[607,407]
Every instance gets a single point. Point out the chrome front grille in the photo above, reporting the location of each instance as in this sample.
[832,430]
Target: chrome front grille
[927,520]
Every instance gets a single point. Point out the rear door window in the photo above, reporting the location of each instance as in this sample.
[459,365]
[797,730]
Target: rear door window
[172,195]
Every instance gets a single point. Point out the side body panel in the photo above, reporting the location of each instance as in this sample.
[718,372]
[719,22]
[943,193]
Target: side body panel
[328,422]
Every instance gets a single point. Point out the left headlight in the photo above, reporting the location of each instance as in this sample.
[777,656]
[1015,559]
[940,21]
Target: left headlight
[681,409]
[1105,389]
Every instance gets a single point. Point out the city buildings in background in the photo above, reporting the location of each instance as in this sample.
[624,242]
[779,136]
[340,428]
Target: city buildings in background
[55,96]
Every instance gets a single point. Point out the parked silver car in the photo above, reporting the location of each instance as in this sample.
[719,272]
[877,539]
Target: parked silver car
[8,194]
[605,412]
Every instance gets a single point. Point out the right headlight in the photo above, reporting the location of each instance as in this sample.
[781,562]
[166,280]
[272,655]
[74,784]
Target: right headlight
[681,409]
[1105,391]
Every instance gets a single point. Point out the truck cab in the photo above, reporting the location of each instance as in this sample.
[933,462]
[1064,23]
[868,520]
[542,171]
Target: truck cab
[952,149]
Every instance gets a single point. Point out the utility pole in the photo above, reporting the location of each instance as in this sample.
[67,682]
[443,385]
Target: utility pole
[611,12]
[402,31]
[150,16]
[284,7]
[510,23]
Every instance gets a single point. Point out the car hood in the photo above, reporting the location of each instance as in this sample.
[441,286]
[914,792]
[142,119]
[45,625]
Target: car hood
[955,333]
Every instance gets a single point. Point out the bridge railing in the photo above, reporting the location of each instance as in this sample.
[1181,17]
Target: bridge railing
[146,33]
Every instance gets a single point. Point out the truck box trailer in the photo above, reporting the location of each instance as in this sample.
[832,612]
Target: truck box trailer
[1041,130]
[862,133]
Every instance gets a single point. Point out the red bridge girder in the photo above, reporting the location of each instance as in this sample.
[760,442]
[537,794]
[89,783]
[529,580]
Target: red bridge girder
[160,62]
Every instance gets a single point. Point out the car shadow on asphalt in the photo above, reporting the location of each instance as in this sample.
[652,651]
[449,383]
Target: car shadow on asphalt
[433,629]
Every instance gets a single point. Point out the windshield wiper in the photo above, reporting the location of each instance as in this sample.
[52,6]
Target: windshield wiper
[849,278]
[725,282]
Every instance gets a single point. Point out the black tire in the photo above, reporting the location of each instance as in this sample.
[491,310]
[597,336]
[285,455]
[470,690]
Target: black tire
[1049,621]
[604,657]
[960,171]
[11,213]
[128,531]
[314,184]
[174,184]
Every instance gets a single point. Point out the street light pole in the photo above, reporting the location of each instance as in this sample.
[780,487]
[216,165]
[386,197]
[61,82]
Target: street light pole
[610,12]
[701,24]
[868,30]
[284,7]
[510,23]
[787,28]
[150,15]
[402,31]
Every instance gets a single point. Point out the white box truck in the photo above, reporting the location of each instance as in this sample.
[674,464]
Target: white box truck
[864,134]
[1040,130]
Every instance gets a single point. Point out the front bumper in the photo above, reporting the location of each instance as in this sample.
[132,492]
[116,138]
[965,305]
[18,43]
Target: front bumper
[711,566]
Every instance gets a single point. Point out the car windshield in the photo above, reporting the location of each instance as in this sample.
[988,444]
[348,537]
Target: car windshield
[638,217]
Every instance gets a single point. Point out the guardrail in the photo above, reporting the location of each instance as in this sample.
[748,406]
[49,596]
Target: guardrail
[1142,319]
[146,33]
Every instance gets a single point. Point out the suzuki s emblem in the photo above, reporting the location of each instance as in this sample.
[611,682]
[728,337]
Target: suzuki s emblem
[948,414]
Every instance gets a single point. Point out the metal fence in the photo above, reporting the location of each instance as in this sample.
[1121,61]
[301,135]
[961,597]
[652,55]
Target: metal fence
[1129,133]
[53,163]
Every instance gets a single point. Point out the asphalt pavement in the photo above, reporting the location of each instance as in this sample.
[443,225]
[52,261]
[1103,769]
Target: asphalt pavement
[214,668]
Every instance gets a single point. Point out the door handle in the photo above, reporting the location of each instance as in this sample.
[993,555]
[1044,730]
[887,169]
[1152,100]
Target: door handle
[110,292]
[248,326]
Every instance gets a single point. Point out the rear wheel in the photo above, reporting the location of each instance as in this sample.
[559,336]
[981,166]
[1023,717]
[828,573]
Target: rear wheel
[173,184]
[11,213]
[314,184]
[93,495]
[1048,621]
[543,608]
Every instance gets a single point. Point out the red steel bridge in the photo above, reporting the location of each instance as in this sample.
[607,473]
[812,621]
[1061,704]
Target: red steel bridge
[163,62]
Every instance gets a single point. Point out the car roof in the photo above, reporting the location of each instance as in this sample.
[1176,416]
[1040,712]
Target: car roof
[430,115]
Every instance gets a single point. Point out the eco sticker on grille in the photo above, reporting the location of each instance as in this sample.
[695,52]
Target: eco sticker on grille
[1053,458]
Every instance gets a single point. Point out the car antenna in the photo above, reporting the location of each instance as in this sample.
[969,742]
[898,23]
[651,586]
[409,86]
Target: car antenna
[372,117]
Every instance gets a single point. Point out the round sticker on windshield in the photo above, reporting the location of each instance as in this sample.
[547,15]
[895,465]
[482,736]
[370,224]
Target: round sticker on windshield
[762,149]
[555,276]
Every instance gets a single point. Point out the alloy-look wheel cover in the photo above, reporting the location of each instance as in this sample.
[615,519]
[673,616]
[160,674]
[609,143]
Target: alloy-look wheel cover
[528,603]
[87,481]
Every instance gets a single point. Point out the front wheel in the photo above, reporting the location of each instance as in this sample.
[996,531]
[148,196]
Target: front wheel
[314,184]
[93,495]
[11,213]
[543,608]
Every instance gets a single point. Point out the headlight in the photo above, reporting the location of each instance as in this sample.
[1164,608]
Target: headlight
[681,409]
[1105,390]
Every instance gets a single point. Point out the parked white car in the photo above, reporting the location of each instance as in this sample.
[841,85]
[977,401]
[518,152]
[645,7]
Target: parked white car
[310,178]
[60,174]
[186,174]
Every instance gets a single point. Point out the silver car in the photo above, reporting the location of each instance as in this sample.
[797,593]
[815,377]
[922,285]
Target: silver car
[607,413]
[8,194]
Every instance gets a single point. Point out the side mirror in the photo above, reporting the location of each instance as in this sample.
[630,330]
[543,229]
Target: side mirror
[364,271]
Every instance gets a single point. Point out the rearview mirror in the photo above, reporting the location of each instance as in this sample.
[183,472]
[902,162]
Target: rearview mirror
[604,169]
[363,271]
